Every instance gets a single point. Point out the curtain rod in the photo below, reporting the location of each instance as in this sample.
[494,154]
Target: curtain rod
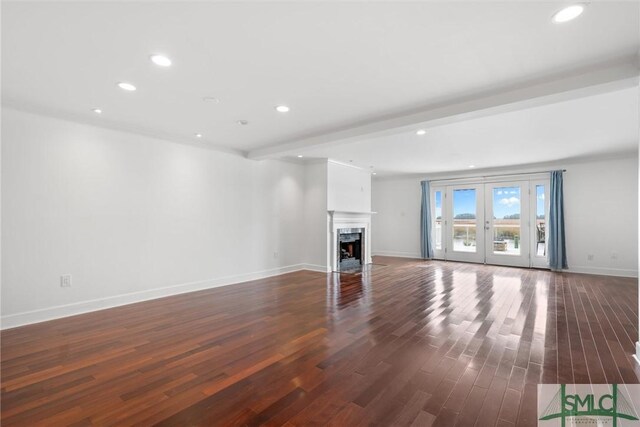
[495,175]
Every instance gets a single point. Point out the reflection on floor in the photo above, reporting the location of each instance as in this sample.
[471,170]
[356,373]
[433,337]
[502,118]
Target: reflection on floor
[406,342]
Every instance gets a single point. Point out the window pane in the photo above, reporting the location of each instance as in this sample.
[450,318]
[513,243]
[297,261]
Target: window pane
[541,226]
[506,220]
[437,222]
[464,220]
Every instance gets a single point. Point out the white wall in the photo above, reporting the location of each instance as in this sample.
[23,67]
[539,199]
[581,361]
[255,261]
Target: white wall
[330,186]
[601,203]
[314,237]
[349,188]
[132,217]
[396,225]
[601,216]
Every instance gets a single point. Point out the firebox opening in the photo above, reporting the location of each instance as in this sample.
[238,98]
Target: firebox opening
[350,243]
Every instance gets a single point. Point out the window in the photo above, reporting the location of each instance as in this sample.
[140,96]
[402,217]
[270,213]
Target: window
[437,220]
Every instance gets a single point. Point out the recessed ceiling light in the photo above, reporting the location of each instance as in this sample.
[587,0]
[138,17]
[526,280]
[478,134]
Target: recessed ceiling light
[126,86]
[161,60]
[198,135]
[211,99]
[373,173]
[421,132]
[568,13]
[242,122]
[472,166]
[300,156]
[97,111]
[282,109]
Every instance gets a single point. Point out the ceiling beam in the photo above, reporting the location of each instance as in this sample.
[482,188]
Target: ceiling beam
[611,76]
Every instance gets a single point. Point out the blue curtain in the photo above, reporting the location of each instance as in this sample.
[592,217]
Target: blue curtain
[426,245]
[557,245]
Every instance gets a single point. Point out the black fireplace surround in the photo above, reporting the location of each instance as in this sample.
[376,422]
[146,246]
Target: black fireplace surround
[350,248]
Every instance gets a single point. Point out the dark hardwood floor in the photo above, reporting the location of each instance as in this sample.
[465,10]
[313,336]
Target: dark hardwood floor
[406,343]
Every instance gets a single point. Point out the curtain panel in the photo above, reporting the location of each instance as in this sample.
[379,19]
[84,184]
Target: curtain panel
[557,245]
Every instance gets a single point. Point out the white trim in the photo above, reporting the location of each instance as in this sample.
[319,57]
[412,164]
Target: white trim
[599,78]
[398,254]
[492,179]
[602,271]
[637,355]
[50,313]
[316,267]
[120,127]
[618,272]
[350,165]
[352,212]
[530,168]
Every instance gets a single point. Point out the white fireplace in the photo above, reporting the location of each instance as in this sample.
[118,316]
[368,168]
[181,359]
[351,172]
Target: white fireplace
[350,223]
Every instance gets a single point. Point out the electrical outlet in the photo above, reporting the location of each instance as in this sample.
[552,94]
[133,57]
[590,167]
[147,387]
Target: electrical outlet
[590,257]
[275,254]
[65,281]
[614,255]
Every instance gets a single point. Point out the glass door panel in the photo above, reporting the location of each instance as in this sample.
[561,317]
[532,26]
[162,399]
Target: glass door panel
[541,241]
[539,211]
[507,214]
[466,235]
[464,220]
[438,221]
[502,223]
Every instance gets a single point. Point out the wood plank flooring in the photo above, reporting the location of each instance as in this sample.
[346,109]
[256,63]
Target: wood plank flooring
[408,342]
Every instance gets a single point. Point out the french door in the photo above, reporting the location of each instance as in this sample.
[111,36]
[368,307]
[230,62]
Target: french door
[507,223]
[465,236]
[495,223]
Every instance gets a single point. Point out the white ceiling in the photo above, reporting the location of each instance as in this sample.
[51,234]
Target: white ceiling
[335,64]
[586,127]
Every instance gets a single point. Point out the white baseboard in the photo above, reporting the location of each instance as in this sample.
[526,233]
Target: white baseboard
[51,313]
[398,254]
[316,267]
[619,272]
[637,355]
[602,271]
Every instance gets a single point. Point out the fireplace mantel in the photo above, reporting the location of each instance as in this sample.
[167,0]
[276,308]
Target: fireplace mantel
[352,212]
[348,219]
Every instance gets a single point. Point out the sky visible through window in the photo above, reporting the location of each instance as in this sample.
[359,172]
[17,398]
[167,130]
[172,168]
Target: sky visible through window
[464,202]
[540,201]
[506,202]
